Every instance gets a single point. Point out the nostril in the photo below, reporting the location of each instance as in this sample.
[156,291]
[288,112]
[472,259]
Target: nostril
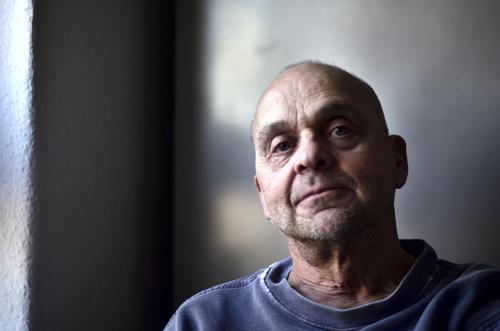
[301,168]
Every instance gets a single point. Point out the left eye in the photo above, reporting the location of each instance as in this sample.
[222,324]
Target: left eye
[340,131]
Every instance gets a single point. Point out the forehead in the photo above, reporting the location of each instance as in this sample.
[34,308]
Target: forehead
[301,93]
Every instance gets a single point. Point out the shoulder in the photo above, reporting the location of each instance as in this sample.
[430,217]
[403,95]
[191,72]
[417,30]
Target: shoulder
[471,297]
[483,283]
[224,291]
[471,277]
[208,308]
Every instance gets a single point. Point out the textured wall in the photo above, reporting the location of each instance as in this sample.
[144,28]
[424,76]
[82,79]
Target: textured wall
[15,157]
[435,67]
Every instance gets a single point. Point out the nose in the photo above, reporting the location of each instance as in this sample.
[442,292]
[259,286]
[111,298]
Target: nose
[312,155]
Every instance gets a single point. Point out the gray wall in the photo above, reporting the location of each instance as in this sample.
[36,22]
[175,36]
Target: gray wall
[435,67]
[103,108]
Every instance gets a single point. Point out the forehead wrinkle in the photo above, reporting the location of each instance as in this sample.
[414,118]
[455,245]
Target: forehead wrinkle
[324,106]
[274,101]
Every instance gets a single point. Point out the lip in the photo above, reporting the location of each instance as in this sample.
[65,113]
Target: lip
[318,191]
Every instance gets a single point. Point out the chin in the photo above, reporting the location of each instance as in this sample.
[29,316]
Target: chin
[329,217]
[328,225]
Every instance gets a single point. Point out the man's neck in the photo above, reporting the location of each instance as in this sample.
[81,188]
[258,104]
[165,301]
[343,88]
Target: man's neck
[355,272]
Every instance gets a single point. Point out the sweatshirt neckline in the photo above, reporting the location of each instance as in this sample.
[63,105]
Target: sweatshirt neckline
[275,281]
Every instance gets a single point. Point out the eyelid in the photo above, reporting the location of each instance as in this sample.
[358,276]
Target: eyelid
[340,122]
[278,140]
[348,130]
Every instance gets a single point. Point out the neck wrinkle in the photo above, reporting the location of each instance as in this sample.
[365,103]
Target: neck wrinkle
[366,268]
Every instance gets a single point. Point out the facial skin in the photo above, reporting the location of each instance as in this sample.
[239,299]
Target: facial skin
[325,168]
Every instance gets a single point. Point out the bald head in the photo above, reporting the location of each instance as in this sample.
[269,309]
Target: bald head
[316,127]
[299,82]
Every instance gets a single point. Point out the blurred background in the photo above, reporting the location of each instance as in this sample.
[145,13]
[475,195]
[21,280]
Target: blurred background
[435,66]
[126,165]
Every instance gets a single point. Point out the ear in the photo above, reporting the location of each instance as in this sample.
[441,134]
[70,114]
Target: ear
[261,197]
[400,160]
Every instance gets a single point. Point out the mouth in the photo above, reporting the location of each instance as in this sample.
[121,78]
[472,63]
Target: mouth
[317,193]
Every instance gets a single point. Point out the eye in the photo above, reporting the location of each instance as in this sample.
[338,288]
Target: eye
[340,130]
[282,147]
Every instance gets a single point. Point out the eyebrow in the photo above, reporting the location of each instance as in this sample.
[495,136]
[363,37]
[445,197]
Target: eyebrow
[270,130]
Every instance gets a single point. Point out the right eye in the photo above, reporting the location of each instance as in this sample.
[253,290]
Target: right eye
[282,147]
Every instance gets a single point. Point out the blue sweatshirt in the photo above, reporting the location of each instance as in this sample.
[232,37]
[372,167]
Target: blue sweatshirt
[434,295]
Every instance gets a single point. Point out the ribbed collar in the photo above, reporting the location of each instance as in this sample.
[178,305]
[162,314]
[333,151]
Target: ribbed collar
[275,281]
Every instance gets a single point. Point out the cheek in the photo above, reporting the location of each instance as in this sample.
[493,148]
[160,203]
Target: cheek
[369,170]
[276,186]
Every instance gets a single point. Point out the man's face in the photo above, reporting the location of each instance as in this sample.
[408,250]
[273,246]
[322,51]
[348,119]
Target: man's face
[325,169]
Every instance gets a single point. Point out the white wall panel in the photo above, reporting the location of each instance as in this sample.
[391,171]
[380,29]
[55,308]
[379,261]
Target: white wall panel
[15,158]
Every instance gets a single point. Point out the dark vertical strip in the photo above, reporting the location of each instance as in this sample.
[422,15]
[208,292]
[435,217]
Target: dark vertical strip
[192,224]
[103,96]
[157,238]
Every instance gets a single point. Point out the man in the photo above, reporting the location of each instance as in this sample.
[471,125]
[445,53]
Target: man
[326,175]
